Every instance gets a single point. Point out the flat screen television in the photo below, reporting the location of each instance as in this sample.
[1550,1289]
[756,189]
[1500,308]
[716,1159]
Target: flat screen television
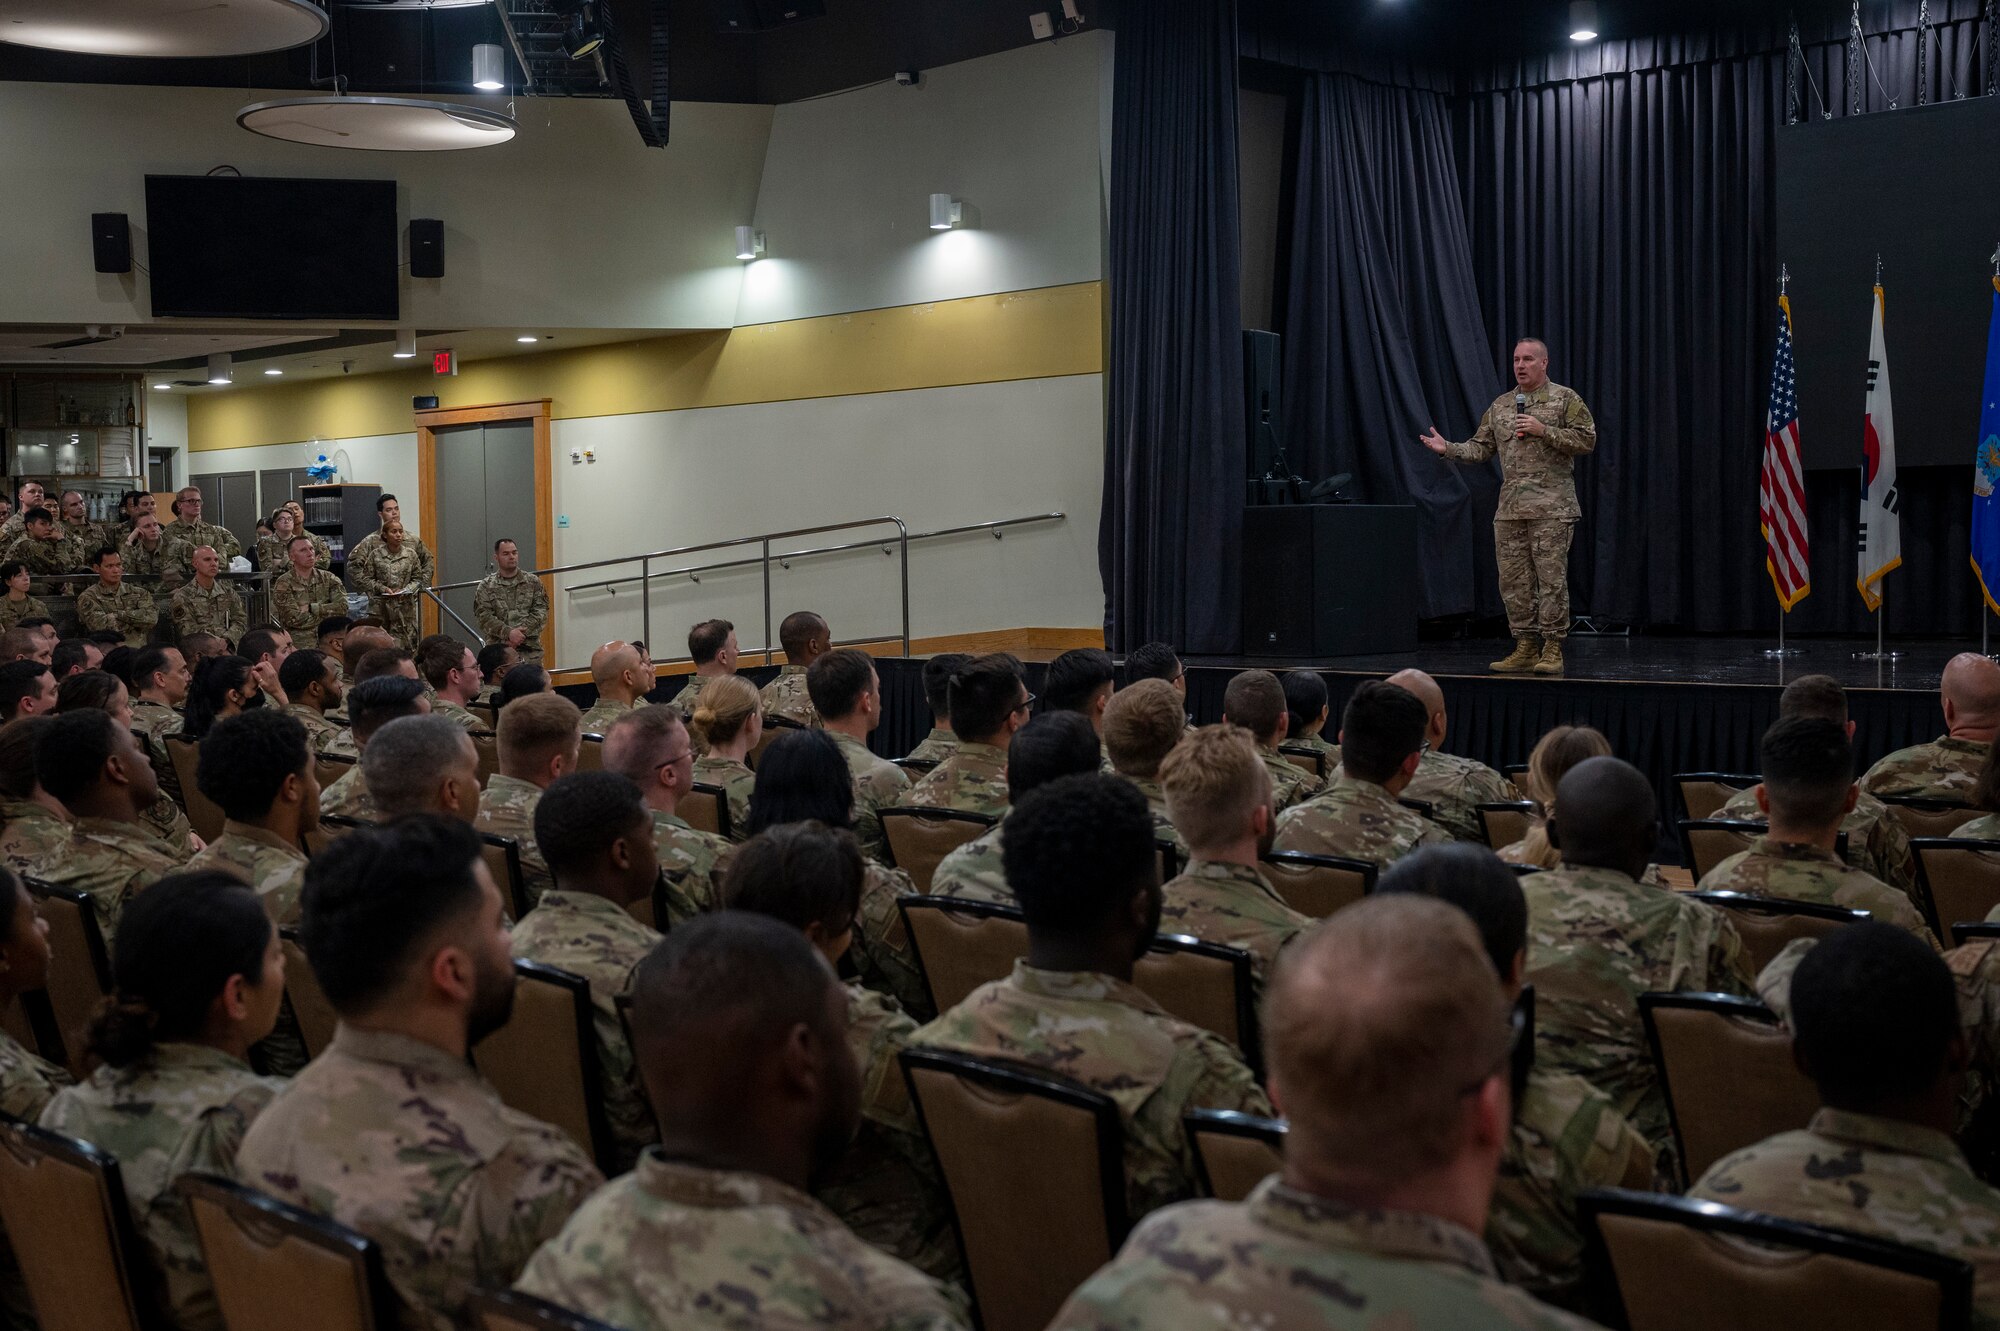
[267,247]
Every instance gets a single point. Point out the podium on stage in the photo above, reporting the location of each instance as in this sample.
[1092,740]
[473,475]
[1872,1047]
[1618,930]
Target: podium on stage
[1324,580]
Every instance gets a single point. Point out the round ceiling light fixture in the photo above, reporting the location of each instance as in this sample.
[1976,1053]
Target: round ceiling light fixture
[170,29]
[378,124]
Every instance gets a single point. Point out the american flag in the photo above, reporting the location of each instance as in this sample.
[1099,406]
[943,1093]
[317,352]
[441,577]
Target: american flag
[1781,491]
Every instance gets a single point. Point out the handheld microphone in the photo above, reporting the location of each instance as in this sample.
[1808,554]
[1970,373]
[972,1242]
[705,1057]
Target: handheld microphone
[1520,409]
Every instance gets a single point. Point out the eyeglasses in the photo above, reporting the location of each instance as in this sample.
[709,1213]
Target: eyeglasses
[682,756]
[1026,703]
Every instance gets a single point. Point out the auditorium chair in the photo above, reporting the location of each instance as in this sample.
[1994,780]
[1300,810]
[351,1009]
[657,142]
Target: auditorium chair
[1233,1151]
[203,813]
[330,767]
[1658,1263]
[1767,924]
[1707,842]
[277,1267]
[487,747]
[1930,818]
[1725,1065]
[1209,985]
[1504,823]
[706,809]
[511,1310]
[79,966]
[1704,793]
[331,825]
[1961,934]
[487,711]
[1304,757]
[1317,885]
[66,1216]
[503,861]
[544,1060]
[1517,773]
[920,837]
[1424,807]
[1170,861]
[1031,1233]
[590,754]
[315,1015]
[1961,879]
[774,726]
[918,768]
[31,1021]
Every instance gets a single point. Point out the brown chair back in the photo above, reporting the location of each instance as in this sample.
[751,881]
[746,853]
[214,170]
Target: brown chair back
[331,826]
[919,838]
[590,754]
[1233,1152]
[511,1310]
[706,809]
[1031,1235]
[330,767]
[1704,793]
[1207,985]
[544,1060]
[961,945]
[1767,924]
[278,1268]
[203,813]
[1304,757]
[1726,1066]
[79,965]
[1708,842]
[1317,885]
[316,1016]
[503,861]
[1930,818]
[487,747]
[1505,823]
[774,726]
[1961,878]
[66,1217]
[1675,1264]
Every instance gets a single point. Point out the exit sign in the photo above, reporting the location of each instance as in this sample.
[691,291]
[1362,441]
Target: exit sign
[444,362]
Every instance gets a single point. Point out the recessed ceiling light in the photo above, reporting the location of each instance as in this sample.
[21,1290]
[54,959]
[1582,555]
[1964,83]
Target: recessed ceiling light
[274,370]
[162,387]
[527,337]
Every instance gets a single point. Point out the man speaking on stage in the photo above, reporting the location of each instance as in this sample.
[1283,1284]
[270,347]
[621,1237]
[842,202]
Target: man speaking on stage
[1538,430]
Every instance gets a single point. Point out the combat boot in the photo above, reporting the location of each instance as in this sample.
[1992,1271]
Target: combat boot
[1550,662]
[1527,650]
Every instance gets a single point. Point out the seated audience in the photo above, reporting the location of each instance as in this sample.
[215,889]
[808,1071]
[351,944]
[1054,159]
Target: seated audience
[311,681]
[222,686]
[623,680]
[886,1188]
[373,704]
[1307,712]
[538,745]
[118,663]
[113,605]
[1080,857]
[73,656]
[1555,753]
[390,1131]
[101,691]
[259,771]
[97,770]
[1219,791]
[1388,1040]
[989,701]
[160,679]
[1255,702]
[200,646]
[1141,726]
[1051,745]
[17,605]
[452,671]
[1598,938]
[422,764]
[23,643]
[495,659]
[27,1081]
[330,635]
[1454,787]
[1567,1135]
[197,978]
[1875,1025]
[653,749]
[938,670]
[523,680]
[1807,793]
[1946,768]
[742,1040]
[1080,680]
[361,638]
[847,694]
[594,833]
[34,826]
[1155,660]
[712,649]
[1985,797]
[27,688]
[1357,816]
[726,725]
[805,638]
[266,645]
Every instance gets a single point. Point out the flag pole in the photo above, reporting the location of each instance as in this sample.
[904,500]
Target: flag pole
[1780,652]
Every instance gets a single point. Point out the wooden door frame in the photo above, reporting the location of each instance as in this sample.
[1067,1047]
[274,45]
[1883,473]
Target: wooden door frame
[536,412]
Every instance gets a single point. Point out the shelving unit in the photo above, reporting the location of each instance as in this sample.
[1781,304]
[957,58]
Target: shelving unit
[343,514]
[83,432]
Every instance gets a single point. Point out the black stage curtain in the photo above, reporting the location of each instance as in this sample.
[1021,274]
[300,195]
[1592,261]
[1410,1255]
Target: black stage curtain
[1174,437]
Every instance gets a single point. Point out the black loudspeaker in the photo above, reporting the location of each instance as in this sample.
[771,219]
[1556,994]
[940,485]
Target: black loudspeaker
[111,242]
[423,404]
[426,247]
[1326,580]
[1262,424]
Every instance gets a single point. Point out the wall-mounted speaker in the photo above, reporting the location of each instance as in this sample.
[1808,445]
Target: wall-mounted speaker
[424,403]
[426,247]
[111,242]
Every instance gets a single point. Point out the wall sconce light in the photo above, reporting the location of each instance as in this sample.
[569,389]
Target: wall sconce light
[749,243]
[946,212]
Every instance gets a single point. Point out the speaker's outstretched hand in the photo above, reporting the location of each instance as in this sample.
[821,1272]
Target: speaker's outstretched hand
[1435,442]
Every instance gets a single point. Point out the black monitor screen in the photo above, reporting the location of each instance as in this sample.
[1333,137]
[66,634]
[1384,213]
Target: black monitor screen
[239,247]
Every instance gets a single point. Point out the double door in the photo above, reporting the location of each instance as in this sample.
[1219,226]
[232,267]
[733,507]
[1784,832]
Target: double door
[485,492]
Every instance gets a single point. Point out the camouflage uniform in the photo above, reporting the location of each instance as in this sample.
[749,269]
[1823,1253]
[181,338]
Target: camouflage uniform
[27,1081]
[1944,769]
[31,835]
[112,861]
[87,537]
[1359,820]
[268,863]
[883,955]
[691,860]
[166,821]
[461,716]
[13,612]
[690,694]
[937,746]
[371,568]
[1233,905]
[1455,787]
[213,609]
[1538,509]
[589,935]
[1806,873]
[152,562]
[1110,1036]
[786,696]
[736,780]
[348,797]
[55,555]
[299,604]
[183,538]
[887,1188]
[1567,1137]
[407,1144]
[1986,827]
[1875,1176]
[1289,785]
[1287,1258]
[508,809]
[519,602]
[973,779]
[183,1109]
[605,711]
[126,609]
[1596,941]
[878,784]
[1876,841]
[320,732]
[273,553]
[974,872]
[156,721]
[1163,823]
[675,1245]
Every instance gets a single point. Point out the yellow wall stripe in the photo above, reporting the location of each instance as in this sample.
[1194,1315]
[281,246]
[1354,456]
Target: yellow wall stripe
[1036,334]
